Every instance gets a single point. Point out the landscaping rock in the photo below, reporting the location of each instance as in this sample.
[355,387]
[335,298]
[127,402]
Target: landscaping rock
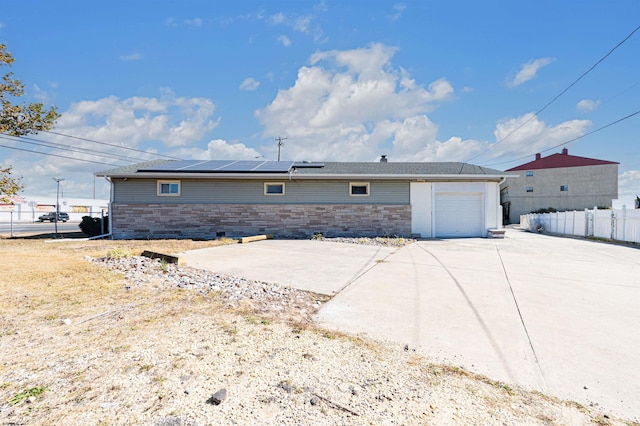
[218,397]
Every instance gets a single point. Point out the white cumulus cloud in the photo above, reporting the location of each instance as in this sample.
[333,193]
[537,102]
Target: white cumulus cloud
[398,9]
[305,24]
[151,124]
[135,56]
[171,120]
[529,70]
[351,104]
[587,105]
[249,84]
[277,19]
[284,40]
[527,134]
[39,94]
[195,22]
[220,149]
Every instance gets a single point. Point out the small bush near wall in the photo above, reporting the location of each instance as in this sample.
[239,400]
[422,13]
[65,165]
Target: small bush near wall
[547,210]
[92,226]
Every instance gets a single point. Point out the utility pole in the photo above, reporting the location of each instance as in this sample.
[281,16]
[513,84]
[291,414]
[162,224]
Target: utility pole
[280,143]
[58,180]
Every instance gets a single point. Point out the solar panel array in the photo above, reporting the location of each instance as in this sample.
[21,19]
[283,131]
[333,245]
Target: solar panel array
[308,165]
[221,166]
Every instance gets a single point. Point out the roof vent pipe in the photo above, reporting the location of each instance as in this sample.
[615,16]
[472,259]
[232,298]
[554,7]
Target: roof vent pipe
[538,156]
[383,158]
[565,151]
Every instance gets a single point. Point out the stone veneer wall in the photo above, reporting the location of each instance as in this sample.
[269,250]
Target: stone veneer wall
[280,220]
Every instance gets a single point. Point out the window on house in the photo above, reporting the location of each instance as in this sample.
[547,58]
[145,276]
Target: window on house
[530,173]
[168,188]
[274,188]
[529,188]
[564,187]
[359,189]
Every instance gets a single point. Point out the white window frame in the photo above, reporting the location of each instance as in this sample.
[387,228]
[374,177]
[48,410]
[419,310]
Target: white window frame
[365,184]
[267,184]
[529,173]
[168,182]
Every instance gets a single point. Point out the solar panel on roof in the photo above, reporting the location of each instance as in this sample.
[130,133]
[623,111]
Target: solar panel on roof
[240,166]
[171,166]
[207,166]
[221,166]
[274,166]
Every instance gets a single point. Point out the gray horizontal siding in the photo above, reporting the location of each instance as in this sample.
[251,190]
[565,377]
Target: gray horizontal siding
[200,191]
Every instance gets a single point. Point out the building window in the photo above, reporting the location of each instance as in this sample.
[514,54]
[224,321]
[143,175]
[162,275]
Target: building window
[359,189]
[169,188]
[530,173]
[274,188]
[529,188]
[564,188]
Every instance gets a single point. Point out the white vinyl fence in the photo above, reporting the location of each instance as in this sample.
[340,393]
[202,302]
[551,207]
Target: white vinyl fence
[621,225]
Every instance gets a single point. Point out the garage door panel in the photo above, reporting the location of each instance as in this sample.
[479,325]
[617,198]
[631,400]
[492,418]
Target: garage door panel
[459,215]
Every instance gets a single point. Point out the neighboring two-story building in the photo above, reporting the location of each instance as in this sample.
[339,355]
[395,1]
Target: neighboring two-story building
[559,181]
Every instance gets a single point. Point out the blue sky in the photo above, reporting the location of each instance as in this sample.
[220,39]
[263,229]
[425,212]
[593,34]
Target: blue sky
[342,81]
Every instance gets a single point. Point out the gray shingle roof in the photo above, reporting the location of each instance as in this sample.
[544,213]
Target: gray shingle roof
[399,168]
[131,168]
[337,168]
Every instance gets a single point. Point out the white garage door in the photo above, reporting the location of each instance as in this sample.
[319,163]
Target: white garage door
[459,215]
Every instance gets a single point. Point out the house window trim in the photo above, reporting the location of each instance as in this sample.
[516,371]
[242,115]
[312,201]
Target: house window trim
[529,189]
[282,184]
[365,184]
[169,182]
[529,173]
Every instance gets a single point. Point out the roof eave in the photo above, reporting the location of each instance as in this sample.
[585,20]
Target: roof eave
[307,176]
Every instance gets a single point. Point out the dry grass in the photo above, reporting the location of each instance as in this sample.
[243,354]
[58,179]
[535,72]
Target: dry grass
[55,305]
[52,280]
[56,308]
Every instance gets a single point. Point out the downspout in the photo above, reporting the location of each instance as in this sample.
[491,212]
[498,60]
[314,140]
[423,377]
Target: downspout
[500,210]
[111,192]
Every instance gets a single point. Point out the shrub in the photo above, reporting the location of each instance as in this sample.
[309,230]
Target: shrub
[92,226]
[119,253]
[547,210]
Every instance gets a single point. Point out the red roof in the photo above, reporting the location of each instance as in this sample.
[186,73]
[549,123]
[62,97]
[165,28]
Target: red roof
[556,161]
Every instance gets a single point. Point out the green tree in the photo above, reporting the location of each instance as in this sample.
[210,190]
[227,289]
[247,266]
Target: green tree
[9,186]
[18,120]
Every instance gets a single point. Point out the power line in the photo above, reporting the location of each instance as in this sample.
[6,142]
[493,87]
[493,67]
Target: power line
[54,155]
[569,141]
[110,144]
[535,114]
[54,145]
[576,118]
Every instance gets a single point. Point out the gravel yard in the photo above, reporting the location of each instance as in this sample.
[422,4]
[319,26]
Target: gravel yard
[167,345]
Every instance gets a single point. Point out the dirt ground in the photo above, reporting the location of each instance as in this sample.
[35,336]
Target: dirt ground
[80,345]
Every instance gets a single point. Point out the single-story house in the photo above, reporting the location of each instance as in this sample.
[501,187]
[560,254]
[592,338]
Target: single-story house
[205,199]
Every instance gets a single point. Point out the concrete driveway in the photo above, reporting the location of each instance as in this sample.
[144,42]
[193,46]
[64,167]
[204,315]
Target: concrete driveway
[316,266]
[558,315]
